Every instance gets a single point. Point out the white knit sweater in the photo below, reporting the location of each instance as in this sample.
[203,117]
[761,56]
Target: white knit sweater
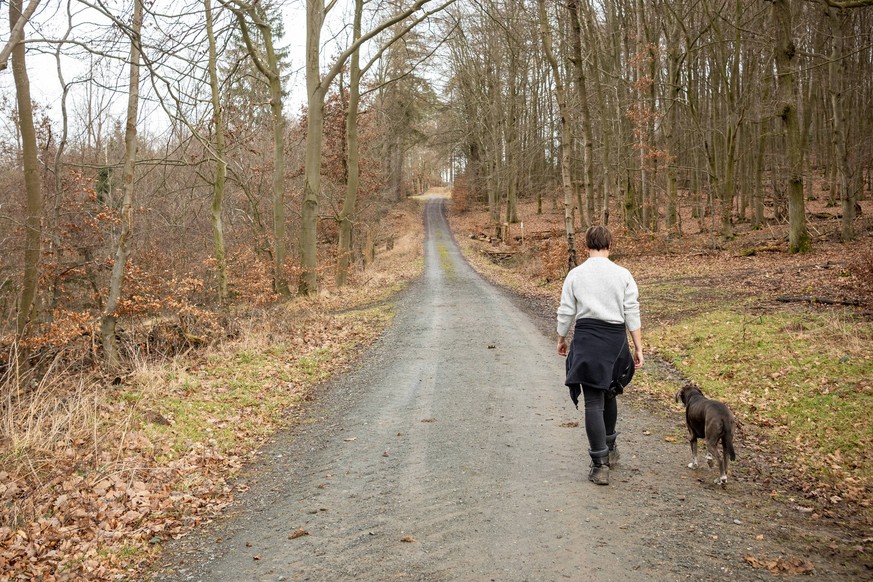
[599,289]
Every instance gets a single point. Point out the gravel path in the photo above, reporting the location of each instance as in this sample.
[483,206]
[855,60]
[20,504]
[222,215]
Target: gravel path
[450,454]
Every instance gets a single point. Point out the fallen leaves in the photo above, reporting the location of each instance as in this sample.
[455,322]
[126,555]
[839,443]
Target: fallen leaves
[96,519]
[117,472]
[790,565]
[297,533]
[9,489]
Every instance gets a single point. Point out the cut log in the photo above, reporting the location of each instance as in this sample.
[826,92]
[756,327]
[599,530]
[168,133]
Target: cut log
[765,249]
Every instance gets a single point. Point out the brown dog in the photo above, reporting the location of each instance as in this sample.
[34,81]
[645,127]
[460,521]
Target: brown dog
[712,421]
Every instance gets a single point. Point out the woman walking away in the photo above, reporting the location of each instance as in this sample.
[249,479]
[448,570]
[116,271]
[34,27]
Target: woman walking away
[602,298]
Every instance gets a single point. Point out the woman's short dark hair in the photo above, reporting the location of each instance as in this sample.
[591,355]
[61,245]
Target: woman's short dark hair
[598,238]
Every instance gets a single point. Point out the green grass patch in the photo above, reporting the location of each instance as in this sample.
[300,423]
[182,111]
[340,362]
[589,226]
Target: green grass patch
[242,394]
[445,259]
[808,375]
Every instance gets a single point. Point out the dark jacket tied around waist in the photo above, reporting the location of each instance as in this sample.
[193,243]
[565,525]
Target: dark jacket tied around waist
[599,358]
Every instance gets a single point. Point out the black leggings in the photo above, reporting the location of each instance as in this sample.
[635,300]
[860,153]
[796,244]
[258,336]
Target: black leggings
[601,414]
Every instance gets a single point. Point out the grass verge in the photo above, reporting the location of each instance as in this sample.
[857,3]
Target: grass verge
[804,375]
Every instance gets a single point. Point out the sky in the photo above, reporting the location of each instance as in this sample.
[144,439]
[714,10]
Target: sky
[50,22]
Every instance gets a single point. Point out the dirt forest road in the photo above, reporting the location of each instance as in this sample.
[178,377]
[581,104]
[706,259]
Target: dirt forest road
[449,454]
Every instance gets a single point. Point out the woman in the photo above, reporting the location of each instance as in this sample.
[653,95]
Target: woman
[602,298]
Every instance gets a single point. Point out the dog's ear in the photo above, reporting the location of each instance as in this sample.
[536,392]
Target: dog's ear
[679,395]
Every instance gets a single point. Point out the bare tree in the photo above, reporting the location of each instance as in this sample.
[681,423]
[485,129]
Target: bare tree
[566,136]
[785,56]
[116,281]
[317,85]
[576,58]
[837,18]
[16,29]
[30,164]
[344,245]
[220,162]
[268,64]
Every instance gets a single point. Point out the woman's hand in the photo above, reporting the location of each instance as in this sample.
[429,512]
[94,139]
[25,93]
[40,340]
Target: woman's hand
[637,336]
[562,346]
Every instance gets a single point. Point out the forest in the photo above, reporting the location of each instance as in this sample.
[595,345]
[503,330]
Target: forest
[171,171]
[210,190]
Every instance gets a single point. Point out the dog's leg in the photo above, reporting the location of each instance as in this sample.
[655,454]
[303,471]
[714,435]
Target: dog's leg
[693,464]
[722,479]
[715,457]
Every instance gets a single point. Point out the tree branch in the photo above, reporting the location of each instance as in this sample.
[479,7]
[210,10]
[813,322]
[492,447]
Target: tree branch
[400,17]
[17,33]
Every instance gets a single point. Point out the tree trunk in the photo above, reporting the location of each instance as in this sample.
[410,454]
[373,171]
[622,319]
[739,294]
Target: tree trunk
[32,181]
[566,137]
[220,163]
[270,70]
[116,280]
[315,90]
[588,194]
[672,137]
[511,138]
[840,153]
[758,178]
[344,245]
[728,183]
[280,280]
[17,21]
[606,178]
[645,86]
[786,52]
